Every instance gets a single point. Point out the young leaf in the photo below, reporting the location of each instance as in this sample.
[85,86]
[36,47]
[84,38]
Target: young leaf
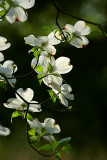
[46,147]
[29,117]
[50,68]
[15,114]
[32,132]
[36,54]
[39,68]
[58,155]
[64,140]
[40,78]
[66,148]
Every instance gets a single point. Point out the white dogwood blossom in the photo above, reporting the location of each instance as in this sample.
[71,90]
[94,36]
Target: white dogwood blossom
[45,43]
[76,34]
[48,126]
[4,131]
[7,70]
[61,90]
[19,104]
[18,13]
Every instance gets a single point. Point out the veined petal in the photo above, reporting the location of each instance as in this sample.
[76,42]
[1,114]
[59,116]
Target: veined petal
[16,14]
[4,131]
[81,28]
[35,107]
[53,82]
[13,103]
[54,38]
[26,94]
[66,88]
[80,42]
[31,40]
[68,95]
[50,126]
[25,3]
[8,67]
[50,49]
[63,100]
[62,65]
[3,44]
[1,57]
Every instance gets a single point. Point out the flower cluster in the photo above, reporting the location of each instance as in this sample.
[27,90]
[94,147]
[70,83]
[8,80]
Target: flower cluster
[49,70]
[14,10]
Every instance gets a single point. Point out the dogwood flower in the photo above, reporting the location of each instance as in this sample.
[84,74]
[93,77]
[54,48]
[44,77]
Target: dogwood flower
[18,13]
[61,90]
[7,70]
[18,104]
[3,44]
[4,131]
[48,126]
[46,43]
[1,57]
[76,34]
[61,65]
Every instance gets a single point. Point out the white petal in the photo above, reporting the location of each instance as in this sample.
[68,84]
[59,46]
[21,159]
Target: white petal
[33,63]
[26,94]
[16,14]
[80,42]
[1,69]
[66,88]
[3,44]
[31,40]
[43,39]
[50,49]
[1,57]
[63,99]
[69,29]
[4,131]
[8,68]
[52,38]
[50,126]
[13,103]
[35,107]
[12,82]
[62,65]
[53,82]
[25,3]
[49,138]
[81,28]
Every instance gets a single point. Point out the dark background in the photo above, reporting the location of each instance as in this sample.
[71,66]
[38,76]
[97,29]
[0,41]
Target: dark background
[87,122]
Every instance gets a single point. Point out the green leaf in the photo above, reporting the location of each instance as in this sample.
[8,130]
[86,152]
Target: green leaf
[64,140]
[50,68]
[39,68]
[58,155]
[3,85]
[31,132]
[39,76]
[46,147]
[33,138]
[16,114]
[2,13]
[51,93]
[34,49]
[55,143]
[29,117]
[55,74]
[47,28]
[36,54]
[66,148]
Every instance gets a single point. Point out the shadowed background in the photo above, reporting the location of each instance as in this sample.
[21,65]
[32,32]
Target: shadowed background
[87,122]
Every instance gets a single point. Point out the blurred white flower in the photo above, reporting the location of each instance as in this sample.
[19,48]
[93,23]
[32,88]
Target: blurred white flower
[4,131]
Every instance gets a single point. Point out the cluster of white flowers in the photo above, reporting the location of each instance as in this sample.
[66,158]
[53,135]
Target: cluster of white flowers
[48,69]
